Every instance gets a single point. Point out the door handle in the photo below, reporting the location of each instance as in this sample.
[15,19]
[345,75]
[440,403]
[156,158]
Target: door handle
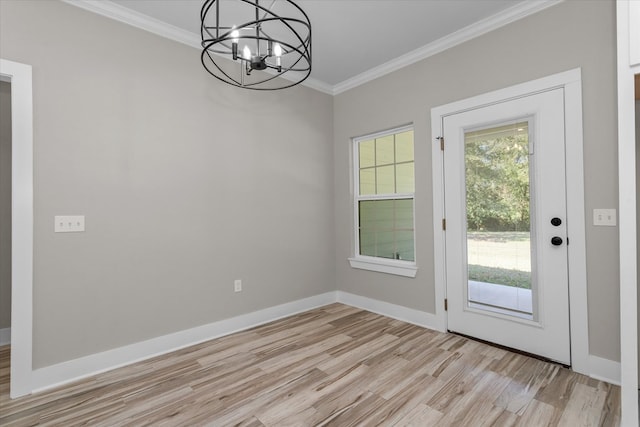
[556,241]
[556,221]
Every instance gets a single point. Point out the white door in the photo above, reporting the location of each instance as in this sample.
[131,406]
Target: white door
[505,209]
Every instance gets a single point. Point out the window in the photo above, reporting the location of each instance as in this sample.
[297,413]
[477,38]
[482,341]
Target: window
[383,202]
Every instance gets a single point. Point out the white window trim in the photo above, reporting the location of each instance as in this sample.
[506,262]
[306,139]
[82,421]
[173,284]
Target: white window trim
[379,264]
[384,265]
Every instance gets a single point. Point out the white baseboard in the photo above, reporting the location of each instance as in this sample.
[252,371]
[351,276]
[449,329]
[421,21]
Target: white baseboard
[599,368]
[409,315]
[73,370]
[5,336]
[604,370]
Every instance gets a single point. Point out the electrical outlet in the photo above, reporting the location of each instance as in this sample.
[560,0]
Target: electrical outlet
[68,223]
[237,285]
[606,217]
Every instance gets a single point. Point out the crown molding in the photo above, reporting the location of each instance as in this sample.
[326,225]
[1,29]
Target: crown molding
[318,85]
[144,22]
[136,19]
[467,33]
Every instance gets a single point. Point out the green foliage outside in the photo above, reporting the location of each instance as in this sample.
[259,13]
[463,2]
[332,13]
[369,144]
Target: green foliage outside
[497,180]
[501,276]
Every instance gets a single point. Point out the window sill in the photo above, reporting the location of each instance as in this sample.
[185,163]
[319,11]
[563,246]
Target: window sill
[398,268]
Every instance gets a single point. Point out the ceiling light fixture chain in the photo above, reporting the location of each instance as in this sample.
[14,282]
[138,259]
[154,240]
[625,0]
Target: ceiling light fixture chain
[267,42]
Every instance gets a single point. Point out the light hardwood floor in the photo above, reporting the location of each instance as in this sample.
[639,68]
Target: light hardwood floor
[336,365]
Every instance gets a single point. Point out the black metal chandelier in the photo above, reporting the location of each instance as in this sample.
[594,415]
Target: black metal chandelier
[266,40]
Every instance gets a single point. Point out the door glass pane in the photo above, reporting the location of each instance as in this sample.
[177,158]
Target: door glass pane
[499,251]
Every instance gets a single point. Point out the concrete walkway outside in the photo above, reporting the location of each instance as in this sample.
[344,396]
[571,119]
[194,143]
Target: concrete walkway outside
[506,297]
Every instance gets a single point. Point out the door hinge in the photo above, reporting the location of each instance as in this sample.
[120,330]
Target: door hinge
[441,139]
[444,223]
[567,241]
[446,305]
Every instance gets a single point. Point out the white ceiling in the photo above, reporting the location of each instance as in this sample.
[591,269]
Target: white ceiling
[353,40]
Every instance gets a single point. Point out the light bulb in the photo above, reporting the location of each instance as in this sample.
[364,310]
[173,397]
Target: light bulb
[234,43]
[246,53]
[277,49]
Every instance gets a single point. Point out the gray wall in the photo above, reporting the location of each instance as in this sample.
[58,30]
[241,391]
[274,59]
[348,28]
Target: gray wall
[186,184]
[5,205]
[567,36]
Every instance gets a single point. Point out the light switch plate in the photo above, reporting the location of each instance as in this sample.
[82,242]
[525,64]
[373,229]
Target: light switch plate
[606,217]
[69,223]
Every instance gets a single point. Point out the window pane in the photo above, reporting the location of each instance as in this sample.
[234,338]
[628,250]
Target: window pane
[404,245]
[386,229]
[386,168]
[386,247]
[404,178]
[384,150]
[384,214]
[368,181]
[367,153]
[404,147]
[367,243]
[385,180]
[367,214]
[404,214]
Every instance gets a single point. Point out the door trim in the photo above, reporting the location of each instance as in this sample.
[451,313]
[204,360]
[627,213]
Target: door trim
[571,81]
[19,75]
[627,18]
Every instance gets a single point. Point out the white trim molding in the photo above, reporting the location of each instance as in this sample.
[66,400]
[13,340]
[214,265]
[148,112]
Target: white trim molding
[144,22]
[398,268]
[627,215]
[83,367]
[399,312]
[571,82]
[507,16]
[139,20]
[5,336]
[20,77]
[604,370]
[73,370]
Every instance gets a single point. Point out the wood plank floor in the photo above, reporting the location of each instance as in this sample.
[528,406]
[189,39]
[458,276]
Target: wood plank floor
[336,365]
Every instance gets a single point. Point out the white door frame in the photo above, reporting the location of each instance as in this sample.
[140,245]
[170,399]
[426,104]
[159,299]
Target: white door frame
[19,75]
[571,81]
[628,17]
